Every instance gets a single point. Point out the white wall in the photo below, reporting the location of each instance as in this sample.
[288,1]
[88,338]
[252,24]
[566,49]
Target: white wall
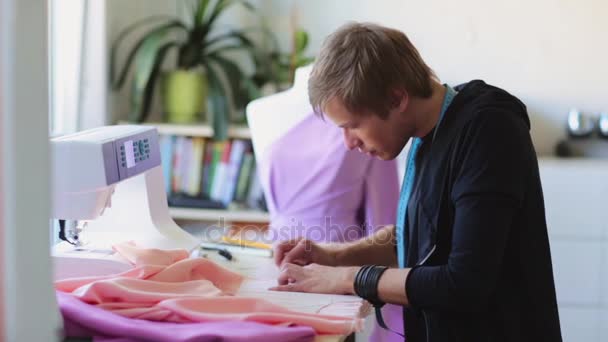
[553,54]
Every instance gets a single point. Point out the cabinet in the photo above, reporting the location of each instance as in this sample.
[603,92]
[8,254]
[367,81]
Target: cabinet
[576,204]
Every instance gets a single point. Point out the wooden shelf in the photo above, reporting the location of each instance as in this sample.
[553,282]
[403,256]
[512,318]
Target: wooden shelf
[200,130]
[217,214]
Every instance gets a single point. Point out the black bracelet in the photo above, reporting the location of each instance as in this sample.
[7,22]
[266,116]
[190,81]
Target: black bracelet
[366,283]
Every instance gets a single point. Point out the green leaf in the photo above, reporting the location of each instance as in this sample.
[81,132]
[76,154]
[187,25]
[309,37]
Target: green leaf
[189,56]
[235,77]
[302,61]
[152,80]
[250,52]
[221,6]
[253,91]
[204,26]
[148,39]
[301,41]
[239,36]
[228,48]
[219,103]
[145,62]
[200,12]
[123,35]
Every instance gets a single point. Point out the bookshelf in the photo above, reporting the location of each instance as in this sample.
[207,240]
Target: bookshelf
[204,131]
[215,214]
[204,214]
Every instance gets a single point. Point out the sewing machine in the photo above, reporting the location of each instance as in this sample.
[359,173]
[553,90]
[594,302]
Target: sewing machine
[107,187]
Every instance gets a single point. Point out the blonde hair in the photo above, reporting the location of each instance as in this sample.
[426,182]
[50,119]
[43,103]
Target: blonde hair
[362,64]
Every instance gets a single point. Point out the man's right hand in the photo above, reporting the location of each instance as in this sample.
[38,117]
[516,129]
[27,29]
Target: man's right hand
[302,252]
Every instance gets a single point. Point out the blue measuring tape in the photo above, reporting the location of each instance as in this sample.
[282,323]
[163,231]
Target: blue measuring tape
[408,183]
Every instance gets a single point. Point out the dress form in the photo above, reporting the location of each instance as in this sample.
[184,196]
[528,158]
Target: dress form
[272,116]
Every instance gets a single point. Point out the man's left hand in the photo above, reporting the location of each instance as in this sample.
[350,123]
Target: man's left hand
[316,278]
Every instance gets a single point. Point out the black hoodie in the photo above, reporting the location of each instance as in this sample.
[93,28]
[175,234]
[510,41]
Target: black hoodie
[478,236]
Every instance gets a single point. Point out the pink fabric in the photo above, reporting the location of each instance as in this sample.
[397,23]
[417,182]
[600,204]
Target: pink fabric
[173,288]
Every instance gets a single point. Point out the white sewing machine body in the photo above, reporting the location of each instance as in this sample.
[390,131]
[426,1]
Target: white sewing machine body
[111,178]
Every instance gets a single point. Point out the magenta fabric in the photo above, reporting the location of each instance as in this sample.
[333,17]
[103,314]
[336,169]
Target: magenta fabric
[84,320]
[315,187]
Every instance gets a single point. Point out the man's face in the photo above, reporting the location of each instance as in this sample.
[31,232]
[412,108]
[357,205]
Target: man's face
[367,132]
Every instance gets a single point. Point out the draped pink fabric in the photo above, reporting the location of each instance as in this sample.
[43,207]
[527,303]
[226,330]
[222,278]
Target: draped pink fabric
[170,287]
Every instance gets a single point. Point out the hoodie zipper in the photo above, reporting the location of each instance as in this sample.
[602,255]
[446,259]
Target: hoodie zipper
[426,321]
[428,255]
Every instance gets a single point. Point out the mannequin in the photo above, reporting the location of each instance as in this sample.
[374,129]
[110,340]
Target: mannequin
[272,116]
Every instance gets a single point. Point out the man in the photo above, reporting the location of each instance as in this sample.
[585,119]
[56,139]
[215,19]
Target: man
[472,261]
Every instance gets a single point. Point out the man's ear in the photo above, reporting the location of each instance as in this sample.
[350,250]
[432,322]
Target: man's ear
[399,99]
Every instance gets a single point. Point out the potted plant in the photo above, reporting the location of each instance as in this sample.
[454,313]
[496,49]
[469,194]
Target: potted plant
[275,70]
[203,71]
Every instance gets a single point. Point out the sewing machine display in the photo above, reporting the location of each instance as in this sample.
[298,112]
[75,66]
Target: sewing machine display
[107,186]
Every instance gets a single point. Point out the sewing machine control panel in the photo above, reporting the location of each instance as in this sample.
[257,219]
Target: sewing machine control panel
[134,151]
[137,154]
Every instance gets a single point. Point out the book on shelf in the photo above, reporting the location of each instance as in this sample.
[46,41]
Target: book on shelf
[244,177]
[215,161]
[176,170]
[202,173]
[219,179]
[255,196]
[194,168]
[237,152]
[207,160]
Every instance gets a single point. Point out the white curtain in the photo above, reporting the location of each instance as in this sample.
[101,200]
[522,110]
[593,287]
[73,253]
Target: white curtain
[78,63]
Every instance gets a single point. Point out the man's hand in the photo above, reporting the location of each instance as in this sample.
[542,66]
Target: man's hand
[302,252]
[316,278]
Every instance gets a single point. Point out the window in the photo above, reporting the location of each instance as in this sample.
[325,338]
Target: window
[78,89]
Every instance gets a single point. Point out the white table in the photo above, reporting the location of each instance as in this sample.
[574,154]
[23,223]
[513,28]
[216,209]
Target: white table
[261,274]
